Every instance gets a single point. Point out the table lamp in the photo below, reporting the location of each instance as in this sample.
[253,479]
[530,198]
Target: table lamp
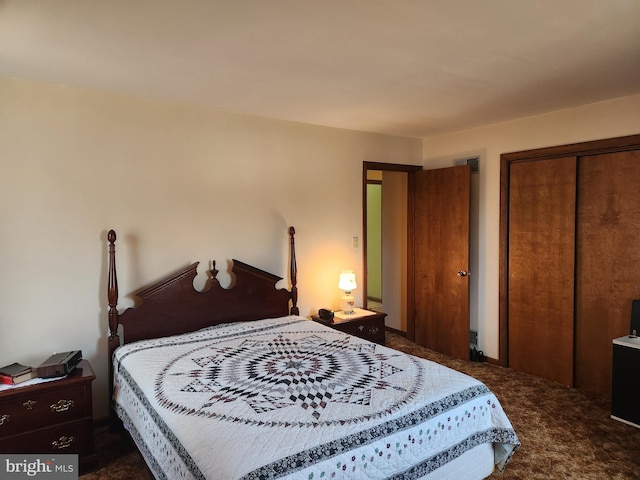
[347,283]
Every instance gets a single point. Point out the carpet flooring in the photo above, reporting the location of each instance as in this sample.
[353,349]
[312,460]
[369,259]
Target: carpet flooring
[565,433]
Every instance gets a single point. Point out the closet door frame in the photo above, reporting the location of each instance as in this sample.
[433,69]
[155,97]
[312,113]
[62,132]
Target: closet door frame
[610,145]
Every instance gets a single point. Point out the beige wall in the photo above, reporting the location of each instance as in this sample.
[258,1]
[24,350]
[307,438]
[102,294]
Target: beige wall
[374,240]
[179,184]
[589,122]
[394,253]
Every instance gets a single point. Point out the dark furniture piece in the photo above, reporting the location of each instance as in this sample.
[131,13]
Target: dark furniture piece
[625,391]
[52,417]
[634,329]
[369,326]
[172,306]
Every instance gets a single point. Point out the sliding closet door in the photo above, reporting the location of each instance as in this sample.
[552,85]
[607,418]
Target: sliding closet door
[607,261]
[541,239]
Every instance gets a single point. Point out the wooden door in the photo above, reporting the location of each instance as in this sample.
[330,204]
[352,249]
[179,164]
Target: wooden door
[440,250]
[541,239]
[607,273]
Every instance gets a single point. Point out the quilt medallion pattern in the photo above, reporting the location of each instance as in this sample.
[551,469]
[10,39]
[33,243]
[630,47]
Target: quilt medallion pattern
[282,371]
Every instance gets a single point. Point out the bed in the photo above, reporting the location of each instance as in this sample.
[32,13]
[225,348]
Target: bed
[232,383]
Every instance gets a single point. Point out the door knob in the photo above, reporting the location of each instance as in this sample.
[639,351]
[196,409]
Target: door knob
[462,273]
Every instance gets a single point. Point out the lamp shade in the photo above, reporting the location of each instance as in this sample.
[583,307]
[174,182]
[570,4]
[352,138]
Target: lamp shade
[347,281]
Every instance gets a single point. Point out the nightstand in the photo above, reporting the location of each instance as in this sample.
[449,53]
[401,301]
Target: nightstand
[363,323]
[625,395]
[50,417]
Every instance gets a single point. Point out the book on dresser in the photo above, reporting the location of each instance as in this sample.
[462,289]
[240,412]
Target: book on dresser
[16,373]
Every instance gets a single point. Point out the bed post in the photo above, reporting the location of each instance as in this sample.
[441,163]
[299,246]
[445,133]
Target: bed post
[112,294]
[114,319]
[293,273]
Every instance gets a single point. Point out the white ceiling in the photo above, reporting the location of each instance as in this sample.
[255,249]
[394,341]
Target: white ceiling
[402,67]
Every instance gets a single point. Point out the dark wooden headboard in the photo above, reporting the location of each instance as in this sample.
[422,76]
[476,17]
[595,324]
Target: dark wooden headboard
[172,305]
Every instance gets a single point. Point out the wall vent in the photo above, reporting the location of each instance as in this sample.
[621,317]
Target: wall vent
[474,162]
[473,338]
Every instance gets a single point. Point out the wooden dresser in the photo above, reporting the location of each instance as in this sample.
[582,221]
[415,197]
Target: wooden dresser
[50,417]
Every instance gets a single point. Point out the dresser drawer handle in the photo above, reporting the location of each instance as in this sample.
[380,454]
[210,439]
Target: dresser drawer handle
[4,419]
[62,443]
[29,404]
[62,406]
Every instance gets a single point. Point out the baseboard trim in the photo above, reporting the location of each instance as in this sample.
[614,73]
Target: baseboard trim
[397,332]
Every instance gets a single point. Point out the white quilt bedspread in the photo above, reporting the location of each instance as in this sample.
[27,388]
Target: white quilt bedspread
[290,398]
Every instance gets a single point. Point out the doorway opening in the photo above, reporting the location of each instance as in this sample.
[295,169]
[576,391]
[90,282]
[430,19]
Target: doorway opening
[374,242]
[385,210]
